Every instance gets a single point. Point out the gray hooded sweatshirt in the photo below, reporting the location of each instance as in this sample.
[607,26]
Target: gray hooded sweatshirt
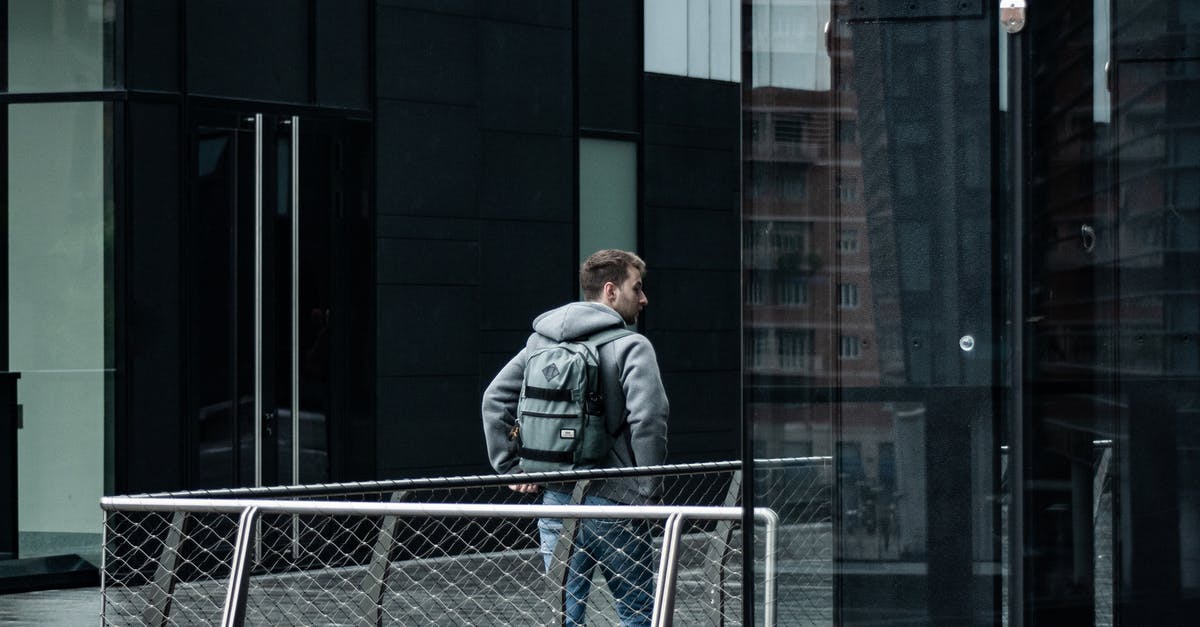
[633,393]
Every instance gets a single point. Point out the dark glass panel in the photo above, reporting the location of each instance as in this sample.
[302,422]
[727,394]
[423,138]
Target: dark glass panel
[321,200]
[212,296]
[869,262]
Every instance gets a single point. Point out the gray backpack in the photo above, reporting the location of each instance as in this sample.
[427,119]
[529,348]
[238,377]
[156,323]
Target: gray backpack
[560,415]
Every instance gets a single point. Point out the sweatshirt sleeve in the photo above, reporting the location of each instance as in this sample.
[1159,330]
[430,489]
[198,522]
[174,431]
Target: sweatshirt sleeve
[646,402]
[500,414]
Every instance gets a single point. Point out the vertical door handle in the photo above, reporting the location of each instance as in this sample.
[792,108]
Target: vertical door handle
[258,298]
[295,299]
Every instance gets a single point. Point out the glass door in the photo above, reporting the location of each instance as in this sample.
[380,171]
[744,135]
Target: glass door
[971,240]
[267,200]
[1105,125]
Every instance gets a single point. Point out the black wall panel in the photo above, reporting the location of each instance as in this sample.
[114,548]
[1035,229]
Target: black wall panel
[428,160]
[429,57]
[553,13]
[527,177]
[688,351]
[701,402]
[692,300]
[474,120]
[691,102]
[689,227]
[429,427]
[418,227]
[525,78]
[610,64]
[427,261]
[249,49]
[428,246]
[341,55]
[152,44]
[457,7]
[691,177]
[427,330]
[690,238]
[526,269]
[150,436]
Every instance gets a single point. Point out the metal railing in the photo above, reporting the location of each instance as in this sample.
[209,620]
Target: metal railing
[459,550]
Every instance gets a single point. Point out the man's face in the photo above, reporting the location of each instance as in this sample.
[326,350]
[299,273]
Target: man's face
[629,299]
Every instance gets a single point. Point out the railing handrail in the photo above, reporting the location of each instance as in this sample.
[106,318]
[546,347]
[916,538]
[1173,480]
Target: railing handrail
[475,481]
[251,509]
[464,510]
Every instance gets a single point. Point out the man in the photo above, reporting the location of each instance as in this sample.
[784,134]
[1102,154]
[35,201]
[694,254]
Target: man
[635,410]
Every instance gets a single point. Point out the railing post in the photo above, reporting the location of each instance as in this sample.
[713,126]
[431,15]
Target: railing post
[771,599]
[668,569]
[167,575]
[560,561]
[234,614]
[381,560]
[718,554]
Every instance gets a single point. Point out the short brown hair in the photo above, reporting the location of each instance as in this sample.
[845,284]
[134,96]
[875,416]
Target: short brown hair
[607,266]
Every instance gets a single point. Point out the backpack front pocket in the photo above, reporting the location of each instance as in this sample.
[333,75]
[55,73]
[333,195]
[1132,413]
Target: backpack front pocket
[548,441]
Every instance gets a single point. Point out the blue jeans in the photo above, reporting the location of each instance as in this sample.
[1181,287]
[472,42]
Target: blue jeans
[623,550]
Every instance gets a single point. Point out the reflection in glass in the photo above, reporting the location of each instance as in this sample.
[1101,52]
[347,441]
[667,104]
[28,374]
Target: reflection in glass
[60,318]
[607,195]
[867,234]
[60,45]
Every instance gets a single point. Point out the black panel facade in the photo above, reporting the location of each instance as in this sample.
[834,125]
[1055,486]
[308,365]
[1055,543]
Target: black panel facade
[426,57]
[525,78]
[150,444]
[152,41]
[476,211]
[610,64]
[249,49]
[526,176]
[690,241]
[341,53]
[552,13]
[428,163]
[475,118]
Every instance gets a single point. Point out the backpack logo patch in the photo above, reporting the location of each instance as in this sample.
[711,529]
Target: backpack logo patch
[550,372]
[566,434]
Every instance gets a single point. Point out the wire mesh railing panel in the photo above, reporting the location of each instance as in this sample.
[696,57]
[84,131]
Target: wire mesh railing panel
[166,567]
[800,495]
[171,567]
[472,586]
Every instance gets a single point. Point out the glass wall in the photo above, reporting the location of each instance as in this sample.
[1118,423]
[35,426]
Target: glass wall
[607,195]
[969,283]
[1110,443]
[60,318]
[60,266]
[869,266]
[60,45]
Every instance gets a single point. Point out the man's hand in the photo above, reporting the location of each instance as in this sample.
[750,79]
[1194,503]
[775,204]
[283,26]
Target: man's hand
[524,488]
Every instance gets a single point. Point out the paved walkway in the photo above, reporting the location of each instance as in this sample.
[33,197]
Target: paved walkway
[51,607]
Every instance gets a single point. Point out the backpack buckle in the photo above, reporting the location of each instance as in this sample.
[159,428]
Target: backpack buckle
[594,404]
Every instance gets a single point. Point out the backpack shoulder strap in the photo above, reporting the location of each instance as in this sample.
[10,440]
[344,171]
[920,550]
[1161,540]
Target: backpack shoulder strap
[600,339]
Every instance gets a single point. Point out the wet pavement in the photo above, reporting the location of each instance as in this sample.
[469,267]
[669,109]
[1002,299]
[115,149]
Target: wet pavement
[80,606]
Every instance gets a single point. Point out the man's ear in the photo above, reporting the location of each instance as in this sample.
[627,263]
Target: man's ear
[610,291]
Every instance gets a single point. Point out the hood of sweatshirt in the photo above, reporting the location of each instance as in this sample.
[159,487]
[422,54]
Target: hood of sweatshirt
[576,320]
